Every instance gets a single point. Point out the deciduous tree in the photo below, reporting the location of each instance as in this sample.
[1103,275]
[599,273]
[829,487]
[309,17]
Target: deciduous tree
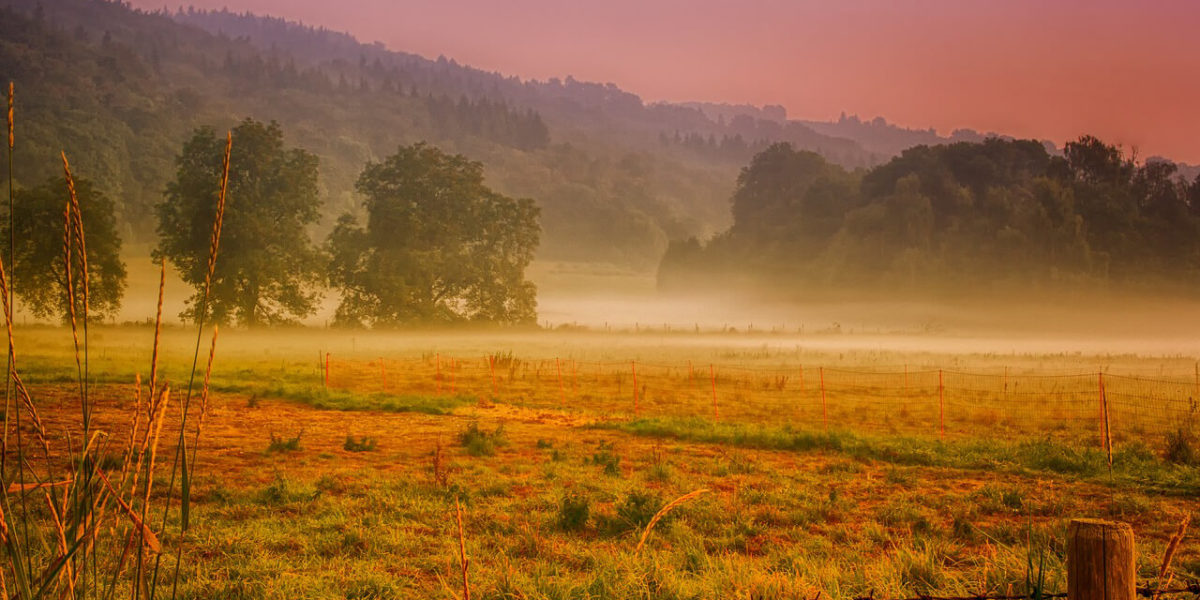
[439,246]
[269,269]
[40,274]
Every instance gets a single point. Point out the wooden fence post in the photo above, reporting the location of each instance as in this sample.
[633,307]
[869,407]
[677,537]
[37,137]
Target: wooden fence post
[1100,406]
[383,373]
[326,369]
[1101,563]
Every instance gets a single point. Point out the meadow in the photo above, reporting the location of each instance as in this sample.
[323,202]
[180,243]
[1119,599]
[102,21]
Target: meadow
[333,464]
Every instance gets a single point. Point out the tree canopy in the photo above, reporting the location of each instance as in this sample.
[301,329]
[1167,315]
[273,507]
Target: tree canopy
[269,269]
[439,246]
[39,275]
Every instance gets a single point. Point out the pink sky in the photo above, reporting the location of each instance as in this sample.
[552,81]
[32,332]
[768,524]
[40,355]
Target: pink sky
[1128,71]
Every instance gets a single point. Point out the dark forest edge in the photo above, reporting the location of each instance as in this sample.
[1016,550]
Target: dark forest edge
[1000,217]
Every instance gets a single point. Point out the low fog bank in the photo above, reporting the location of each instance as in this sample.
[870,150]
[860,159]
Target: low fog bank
[1144,327]
[596,299]
[1090,322]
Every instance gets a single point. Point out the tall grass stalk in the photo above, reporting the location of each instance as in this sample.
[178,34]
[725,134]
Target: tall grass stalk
[12,244]
[71,527]
[179,466]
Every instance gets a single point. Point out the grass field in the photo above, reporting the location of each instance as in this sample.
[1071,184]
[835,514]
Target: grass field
[349,491]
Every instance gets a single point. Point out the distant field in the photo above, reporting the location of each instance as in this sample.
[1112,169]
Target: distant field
[348,490]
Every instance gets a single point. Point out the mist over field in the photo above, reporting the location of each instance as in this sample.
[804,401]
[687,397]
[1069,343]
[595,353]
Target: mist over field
[600,300]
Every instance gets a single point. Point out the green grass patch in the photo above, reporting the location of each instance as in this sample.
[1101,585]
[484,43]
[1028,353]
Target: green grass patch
[1133,464]
[326,399]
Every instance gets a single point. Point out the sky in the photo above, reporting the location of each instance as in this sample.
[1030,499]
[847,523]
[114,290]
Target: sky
[1128,72]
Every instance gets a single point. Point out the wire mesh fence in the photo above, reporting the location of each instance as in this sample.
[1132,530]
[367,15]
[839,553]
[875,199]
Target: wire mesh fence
[911,401]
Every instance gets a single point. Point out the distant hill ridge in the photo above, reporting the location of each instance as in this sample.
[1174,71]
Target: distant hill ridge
[615,177]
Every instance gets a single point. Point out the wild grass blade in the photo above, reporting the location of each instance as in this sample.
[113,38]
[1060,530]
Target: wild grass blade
[201,314]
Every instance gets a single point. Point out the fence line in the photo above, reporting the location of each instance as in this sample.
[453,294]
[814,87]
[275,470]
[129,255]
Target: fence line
[945,403]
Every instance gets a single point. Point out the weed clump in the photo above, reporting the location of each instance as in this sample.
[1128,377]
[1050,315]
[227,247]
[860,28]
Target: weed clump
[573,512]
[1181,448]
[637,509]
[480,442]
[605,457]
[282,444]
[365,444]
[284,491]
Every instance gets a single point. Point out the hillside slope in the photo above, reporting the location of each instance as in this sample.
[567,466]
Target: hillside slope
[120,89]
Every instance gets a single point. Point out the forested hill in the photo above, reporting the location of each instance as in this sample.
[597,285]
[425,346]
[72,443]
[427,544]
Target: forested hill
[121,89]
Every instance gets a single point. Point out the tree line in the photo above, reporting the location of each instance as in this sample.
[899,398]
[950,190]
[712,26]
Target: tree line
[438,245]
[969,215]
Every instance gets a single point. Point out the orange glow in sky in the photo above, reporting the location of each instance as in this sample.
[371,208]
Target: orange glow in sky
[1128,72]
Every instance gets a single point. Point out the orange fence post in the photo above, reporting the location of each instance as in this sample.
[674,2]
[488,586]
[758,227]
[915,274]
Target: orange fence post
[1100,412]
[326,369]
[383,373]
[562,394]
[492,367]
[713,371]
[1105,425]
[438,376]
[941,405]
[633,365]
[824,410]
